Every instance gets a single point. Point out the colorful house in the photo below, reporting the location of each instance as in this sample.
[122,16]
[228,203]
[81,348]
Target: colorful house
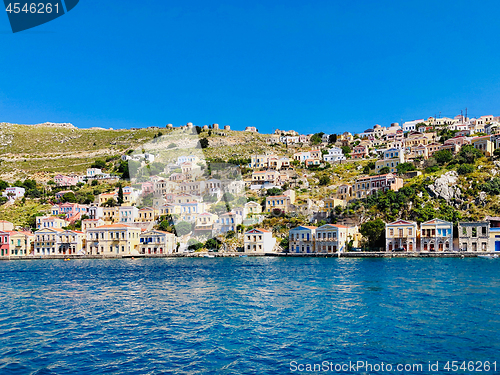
[436,235]
[401,235]
[302,239]
[157,242]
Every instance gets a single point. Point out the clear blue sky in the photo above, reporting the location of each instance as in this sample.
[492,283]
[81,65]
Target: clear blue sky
[313,66]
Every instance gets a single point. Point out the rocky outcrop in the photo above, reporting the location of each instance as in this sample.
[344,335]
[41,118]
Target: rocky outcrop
[446,187]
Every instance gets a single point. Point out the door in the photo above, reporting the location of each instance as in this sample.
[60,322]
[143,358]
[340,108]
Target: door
[497,245]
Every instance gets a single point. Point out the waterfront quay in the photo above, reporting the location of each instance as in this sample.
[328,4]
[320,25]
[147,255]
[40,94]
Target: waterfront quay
[357,254]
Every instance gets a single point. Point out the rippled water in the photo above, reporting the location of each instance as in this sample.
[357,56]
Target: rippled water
[243,315]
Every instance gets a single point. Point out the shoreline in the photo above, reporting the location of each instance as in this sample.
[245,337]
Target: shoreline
[282,255]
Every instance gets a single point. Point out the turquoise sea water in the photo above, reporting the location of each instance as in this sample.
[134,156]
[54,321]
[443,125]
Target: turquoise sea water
[245,315]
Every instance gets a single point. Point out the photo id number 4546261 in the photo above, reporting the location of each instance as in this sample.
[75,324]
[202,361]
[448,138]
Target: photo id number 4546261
[32,8]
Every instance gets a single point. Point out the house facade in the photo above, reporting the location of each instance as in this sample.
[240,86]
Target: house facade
[302,239]
[401,235]
[259,241]
[474,236]
[436,235]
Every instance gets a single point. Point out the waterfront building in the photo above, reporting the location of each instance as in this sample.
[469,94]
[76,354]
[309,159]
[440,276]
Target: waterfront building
[70,242]
[47,241]
[474,236]
[359,152]
[483,144]
[278,202]
[331,238]
[157,242]
[331,203]
[228,222]
[259,240]
[302,239]
[436,235]
[401,235]
[110,214]
[344,192]
[21,243]
[494,233]
[205,222]
[4,244]
[117,239]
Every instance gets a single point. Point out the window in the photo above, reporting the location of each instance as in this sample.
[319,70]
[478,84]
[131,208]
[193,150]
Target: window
[474,232]
[464,231]
[483,231]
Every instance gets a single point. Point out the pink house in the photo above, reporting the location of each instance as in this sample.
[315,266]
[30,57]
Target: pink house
[4,244]
[359,152]
[62,180]
[147,188]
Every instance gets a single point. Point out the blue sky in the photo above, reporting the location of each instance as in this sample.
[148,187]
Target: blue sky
[325,66]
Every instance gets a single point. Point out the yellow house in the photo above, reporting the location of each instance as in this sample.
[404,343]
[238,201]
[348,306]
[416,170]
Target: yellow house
[114,239]
[147,215]
[278,202]
[401,235]
[71,242]
[484,145]
[21,243]
[110,214]
[170,209]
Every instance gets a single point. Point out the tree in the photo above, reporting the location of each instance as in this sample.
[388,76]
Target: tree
[403,168]
[212,244]
[273,191]
[194,244]
[469,154]
[443,156]
[332,138]
[324,180]
[346,150]
[123,169]
[99,163]
[385,170]
[68,197]
[316,139]
[110,203]
[203,142]
[465,169]
[120,195]
[3,185]
[228,197]
[182,228]
[210,198]
[374,231]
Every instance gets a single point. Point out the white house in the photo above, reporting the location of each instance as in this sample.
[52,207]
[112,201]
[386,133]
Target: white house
[92,172]
[13,193]
[334,154]
[127,214]
[259,241]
